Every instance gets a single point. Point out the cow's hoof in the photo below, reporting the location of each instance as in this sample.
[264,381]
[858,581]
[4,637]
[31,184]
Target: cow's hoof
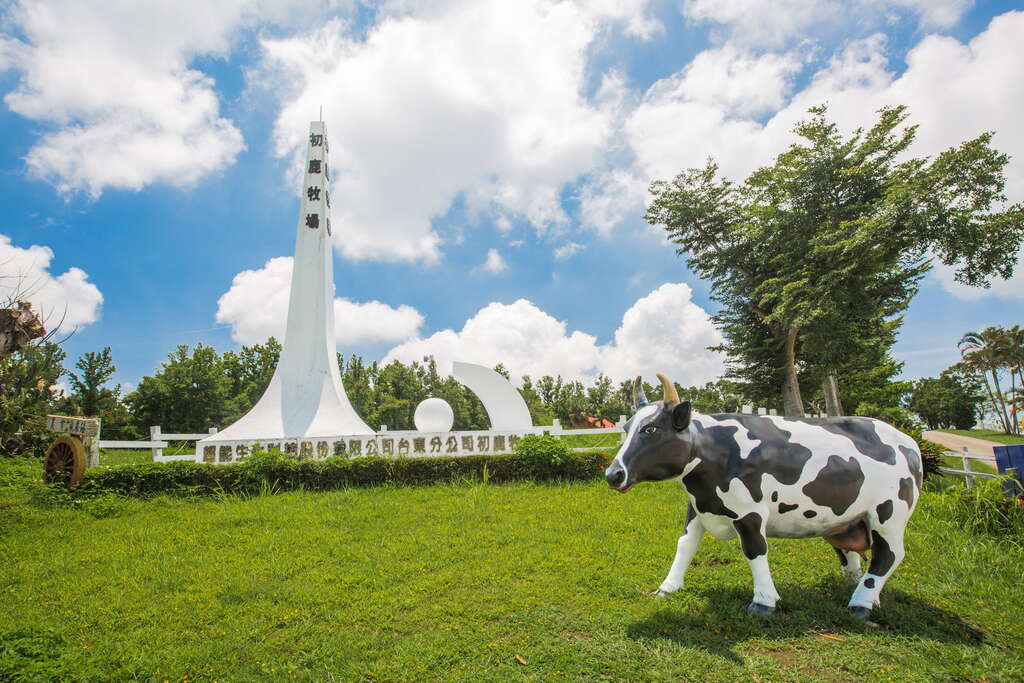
[859,612]
[759,610]
[863,614]
[660,594]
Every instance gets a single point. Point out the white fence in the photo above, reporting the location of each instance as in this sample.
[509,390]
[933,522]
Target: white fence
[160,440]
[966,458]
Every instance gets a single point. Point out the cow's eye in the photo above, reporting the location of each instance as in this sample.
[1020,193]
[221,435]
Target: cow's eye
[649,429]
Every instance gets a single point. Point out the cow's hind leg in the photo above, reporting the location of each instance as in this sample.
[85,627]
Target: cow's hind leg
[850,544]
[849,562]
[886,554]
[751,530]
[685,550]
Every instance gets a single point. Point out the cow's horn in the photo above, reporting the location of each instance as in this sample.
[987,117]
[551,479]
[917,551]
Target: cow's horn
[671,395]
[639,399]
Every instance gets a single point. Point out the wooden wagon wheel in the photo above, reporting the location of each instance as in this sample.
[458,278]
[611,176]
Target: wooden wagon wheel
[65,462]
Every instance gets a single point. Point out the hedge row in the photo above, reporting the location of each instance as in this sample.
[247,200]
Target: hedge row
[281,473]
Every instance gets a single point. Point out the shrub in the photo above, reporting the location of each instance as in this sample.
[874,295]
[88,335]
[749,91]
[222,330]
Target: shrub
[276,472]
[931,452]
[542,450]
[985,509]
[894,415]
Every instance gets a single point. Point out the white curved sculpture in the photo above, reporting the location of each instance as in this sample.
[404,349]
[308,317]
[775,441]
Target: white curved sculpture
[305,398]
[434,415]
[505,406]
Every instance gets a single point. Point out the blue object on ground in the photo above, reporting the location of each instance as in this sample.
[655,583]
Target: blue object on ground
[1008,457]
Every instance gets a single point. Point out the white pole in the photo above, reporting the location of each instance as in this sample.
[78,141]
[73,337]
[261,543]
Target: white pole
[967,467]
[154,435]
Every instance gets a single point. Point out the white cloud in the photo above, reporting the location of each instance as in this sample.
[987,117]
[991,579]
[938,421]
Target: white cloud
[493,264]
[67,300]
[479,100]
[112,84]
[934,14]
[781,22]
[662,332]
[726,77]
[256,307]
[953,90]
[761,23]
[567,250]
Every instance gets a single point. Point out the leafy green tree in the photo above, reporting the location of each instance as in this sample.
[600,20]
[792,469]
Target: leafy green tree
[94,370]
[249,370]
[949,401]
[189,393]
[713,397]
[539,412]
[26,378]
[832,240]
[359,379]
[92,399]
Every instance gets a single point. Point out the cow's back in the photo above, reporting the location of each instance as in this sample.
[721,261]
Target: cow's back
[815,474]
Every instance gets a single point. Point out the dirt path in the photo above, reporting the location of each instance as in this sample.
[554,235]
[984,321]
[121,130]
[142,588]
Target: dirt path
[955,442]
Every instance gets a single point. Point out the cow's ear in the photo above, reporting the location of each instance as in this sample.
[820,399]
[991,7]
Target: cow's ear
[681,416]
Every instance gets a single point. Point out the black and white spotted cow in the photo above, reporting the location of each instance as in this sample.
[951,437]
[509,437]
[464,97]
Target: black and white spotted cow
[852,480]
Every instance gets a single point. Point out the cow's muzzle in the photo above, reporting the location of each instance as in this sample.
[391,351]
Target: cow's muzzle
[615,475]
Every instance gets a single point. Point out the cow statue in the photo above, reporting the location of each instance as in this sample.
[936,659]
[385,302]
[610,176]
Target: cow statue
[853,481]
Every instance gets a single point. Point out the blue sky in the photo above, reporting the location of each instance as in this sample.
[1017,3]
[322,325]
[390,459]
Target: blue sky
[490,162]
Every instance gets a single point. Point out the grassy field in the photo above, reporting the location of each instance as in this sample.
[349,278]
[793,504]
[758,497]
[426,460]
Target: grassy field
[473,582]
[987,434]
[127,456]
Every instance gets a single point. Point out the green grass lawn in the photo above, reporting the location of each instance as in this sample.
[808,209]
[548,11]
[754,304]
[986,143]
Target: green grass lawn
[461,582]
[987,434]
[606,440]
[128,456]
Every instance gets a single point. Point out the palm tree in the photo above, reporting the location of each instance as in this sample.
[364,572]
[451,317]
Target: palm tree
[985,352]
[1015,357]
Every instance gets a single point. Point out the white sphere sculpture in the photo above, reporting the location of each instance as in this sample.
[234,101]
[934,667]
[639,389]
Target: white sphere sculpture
[434,415]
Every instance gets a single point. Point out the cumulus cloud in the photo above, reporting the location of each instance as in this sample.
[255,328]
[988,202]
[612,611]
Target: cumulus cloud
[953,90]
[482,101]
[780,22]
[567,250]
[112,85]
[67,300]
[662,332]
[256,307]
[493,264]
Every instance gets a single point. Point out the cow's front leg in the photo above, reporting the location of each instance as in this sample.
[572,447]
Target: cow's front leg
[751,530]
[685,550]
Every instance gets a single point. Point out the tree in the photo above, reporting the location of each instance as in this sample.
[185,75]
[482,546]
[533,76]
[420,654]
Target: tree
[991,354]
[26,378]
[189,393]
[91,399]
[540,414]
[949,401]
[713,397]
[96,369]
[832,239]
[249,370]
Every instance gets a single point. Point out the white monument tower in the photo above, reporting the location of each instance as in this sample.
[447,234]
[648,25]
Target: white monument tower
[305,398]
